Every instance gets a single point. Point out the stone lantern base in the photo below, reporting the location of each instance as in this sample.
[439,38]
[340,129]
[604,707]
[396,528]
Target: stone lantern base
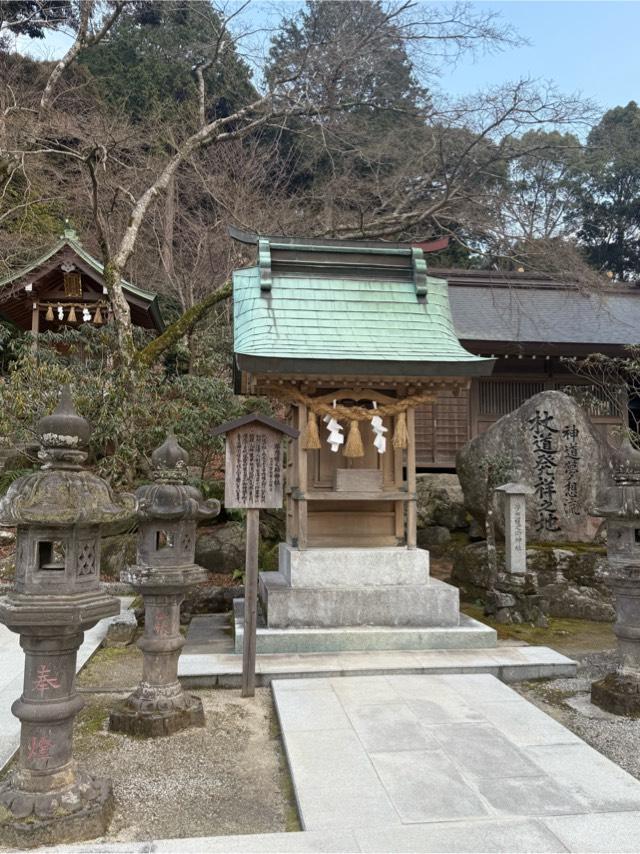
[152,711]
[618,693]
[72,813]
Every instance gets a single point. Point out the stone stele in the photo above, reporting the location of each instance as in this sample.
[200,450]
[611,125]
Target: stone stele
[550,445]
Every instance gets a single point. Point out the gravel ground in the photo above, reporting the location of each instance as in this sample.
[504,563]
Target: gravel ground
[229,777]
[616,737]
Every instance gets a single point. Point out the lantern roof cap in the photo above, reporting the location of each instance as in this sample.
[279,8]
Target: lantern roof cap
[64,435]
[170,456]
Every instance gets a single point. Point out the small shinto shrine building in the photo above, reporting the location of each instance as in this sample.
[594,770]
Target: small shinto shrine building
[352,336]
[64,287]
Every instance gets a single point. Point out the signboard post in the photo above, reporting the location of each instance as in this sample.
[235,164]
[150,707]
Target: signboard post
[254,476]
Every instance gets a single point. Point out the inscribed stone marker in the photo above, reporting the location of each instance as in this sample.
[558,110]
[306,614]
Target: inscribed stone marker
[515,526]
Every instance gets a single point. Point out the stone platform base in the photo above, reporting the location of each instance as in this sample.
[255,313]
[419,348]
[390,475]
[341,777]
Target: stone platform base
[150,724]
[81,812]
[336,587]
[618,694]
[469,634]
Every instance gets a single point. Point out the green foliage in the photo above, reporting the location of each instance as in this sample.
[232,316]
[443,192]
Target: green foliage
[146,63]
[608,193]
[7,476]
[130,413]
[33,18]
[380,107]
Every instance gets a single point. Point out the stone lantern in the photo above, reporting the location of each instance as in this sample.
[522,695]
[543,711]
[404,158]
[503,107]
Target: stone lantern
[619,692]
[168,514]
[58,512]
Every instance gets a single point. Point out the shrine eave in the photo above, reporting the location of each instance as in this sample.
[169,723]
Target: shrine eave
[362,367]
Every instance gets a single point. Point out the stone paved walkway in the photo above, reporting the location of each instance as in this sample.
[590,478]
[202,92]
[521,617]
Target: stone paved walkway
[399,755]
[11,674]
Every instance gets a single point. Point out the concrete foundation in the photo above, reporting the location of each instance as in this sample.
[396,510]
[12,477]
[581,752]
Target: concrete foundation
[469,634]
[359,599]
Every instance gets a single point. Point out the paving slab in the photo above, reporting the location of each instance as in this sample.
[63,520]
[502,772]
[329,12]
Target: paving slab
[508,662]
[11,678]
[453,763]
[600,832]
[612,832]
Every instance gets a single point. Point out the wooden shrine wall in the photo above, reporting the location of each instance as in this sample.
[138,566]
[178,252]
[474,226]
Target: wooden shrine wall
[443,427]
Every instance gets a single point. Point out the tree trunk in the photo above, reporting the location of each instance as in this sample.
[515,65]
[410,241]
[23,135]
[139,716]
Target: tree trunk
[151,353]
[167,235]
[121,313]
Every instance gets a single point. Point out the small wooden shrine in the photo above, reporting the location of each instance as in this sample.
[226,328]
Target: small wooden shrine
[64,287]
[353,336]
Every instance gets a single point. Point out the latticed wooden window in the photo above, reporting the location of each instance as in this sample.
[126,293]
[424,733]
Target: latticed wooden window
[72,284]
[501,397]
[596,401]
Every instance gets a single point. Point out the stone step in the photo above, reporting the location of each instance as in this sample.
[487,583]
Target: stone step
[353,567]
[470,634]
[430,604]
[509,663]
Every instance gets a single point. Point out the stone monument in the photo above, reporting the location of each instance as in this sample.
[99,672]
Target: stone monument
[515,526]
[549,444]
[59,512]
[168,513]
[619,692]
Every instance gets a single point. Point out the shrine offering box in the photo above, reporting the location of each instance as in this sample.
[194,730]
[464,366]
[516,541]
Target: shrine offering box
[358,480]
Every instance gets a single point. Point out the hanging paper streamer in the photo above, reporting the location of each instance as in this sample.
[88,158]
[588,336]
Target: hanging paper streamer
[60,313]
[380,442]
[86,315]
[335,438]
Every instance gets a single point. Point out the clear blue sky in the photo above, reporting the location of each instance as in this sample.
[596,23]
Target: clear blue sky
[591,47]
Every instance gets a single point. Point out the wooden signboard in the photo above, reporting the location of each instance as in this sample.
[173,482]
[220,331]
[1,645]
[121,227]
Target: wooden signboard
[253,480]
[253,472]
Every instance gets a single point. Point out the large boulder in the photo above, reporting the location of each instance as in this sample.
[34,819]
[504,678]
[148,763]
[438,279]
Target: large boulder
[550,445]
[440,501]
[222,549]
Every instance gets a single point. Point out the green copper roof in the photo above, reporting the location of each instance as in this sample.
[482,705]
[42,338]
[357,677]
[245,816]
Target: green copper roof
[70,238]
[347,319]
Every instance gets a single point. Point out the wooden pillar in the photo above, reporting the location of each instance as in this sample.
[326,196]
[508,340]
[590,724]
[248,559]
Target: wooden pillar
[411,479]
[302,467]
[250,604]
[35,326]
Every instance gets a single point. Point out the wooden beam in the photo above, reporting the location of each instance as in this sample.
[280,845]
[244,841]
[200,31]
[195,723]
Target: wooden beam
[411,480]
[35,326]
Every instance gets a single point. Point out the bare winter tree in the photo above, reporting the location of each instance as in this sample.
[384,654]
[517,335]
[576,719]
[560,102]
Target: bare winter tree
[333,69]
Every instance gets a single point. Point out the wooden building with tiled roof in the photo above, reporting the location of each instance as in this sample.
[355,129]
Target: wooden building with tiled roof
[65,287]
[528,323]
